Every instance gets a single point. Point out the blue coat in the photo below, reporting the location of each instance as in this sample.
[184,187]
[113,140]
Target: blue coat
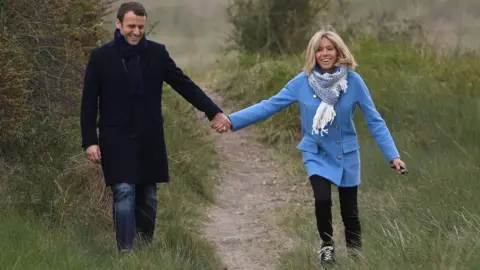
[336,155]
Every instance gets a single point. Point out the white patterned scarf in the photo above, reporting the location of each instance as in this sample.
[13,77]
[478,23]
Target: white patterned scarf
[327,87]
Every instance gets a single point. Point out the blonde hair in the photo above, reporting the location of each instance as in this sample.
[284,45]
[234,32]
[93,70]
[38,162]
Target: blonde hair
[345,57]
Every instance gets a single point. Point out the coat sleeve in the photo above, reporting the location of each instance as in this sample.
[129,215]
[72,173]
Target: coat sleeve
[262,110]
[89,104]
[183,85]
[375,122]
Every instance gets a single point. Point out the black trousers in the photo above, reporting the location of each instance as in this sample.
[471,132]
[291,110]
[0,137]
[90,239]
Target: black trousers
[349,211]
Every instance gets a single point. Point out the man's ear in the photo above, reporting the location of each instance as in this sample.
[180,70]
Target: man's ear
[118,24]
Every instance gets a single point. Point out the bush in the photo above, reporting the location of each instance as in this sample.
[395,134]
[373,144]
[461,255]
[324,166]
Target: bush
[42,79]
[275,26]
[44,45]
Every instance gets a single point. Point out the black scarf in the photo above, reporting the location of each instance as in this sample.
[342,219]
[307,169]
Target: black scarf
[131,60]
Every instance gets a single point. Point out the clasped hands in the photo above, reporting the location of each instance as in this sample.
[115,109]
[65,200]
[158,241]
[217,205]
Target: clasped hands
[221,123]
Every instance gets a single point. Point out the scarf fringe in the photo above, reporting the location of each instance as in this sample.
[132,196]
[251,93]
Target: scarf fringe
[325,113]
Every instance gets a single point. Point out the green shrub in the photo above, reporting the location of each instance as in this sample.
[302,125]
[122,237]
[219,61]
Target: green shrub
[44,45]
[274,26]
[41,78]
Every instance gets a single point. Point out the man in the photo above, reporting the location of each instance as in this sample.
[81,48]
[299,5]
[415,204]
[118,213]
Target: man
[125,77]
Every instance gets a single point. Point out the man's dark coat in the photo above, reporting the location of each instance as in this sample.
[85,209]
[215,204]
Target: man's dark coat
[131,136]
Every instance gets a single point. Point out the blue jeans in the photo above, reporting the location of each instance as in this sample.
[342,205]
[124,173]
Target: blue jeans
[134,212]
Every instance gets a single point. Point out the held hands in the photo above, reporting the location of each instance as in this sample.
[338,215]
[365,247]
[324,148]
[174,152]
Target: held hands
[221,123]
[399,166]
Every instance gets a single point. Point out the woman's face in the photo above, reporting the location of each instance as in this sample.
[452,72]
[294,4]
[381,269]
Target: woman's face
[326,55]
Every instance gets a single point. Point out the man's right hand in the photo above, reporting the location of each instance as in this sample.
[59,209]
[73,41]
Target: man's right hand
[221,123]
[93,153]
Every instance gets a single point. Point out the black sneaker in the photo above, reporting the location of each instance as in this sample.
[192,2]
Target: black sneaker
[326,254]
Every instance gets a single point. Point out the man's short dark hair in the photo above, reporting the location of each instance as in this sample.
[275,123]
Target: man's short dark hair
[137,8]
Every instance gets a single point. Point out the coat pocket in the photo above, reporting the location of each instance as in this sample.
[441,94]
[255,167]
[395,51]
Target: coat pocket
[308,146]
[350,146]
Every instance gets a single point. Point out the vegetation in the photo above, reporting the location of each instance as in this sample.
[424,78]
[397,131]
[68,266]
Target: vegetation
[275,26]
[56,211]
[428,219]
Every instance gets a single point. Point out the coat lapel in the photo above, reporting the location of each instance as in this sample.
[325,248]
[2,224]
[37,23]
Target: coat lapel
[118,67]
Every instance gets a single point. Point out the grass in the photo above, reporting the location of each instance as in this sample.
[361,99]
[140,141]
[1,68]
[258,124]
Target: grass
[426,220]
[56,211]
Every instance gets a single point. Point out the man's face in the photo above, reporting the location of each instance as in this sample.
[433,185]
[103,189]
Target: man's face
[132,28]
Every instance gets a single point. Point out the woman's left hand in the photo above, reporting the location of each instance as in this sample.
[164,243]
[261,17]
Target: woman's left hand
[397,163]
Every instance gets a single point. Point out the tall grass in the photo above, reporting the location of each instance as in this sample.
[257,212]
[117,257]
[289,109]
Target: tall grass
[56,212]
[426,220]
[55,209]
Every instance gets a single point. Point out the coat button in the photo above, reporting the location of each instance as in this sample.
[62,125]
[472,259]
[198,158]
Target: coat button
[339,157]
[337,126]
[314,96]
[338,142]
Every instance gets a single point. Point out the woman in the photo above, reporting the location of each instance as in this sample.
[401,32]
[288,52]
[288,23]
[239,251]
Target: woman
[328,90]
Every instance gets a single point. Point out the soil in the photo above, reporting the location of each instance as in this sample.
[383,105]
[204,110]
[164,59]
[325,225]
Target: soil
[242,223]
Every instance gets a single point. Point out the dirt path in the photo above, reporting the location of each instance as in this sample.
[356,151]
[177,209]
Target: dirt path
[242,223]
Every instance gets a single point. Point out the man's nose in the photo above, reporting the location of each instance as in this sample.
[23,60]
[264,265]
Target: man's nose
[136,31]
